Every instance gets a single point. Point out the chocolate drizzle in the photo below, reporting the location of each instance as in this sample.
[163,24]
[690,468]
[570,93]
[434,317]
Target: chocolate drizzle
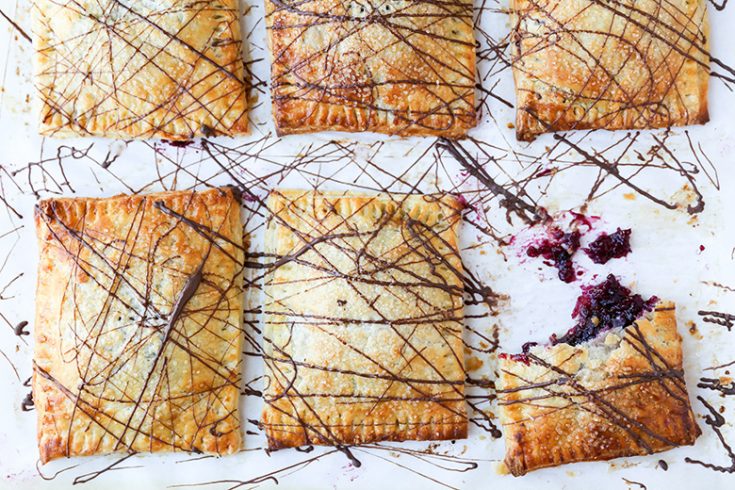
[27,404]
[16,26]
[20,330]
[727,320]
[716,422]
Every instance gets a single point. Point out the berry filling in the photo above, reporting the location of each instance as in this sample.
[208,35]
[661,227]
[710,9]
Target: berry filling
[520,357]
[599,308]
[602,307]
[557,251]
[607,247]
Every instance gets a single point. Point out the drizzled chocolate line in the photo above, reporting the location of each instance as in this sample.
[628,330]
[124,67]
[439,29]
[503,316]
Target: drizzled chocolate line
[727,320]
[88,477]
[20,329]
[715,421]
[717,384]
[514,203]
[16,26]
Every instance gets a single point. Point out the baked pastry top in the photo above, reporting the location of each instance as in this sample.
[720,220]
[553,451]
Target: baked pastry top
[609,65]
[156,69]
[391,66]
[621,394]
[363,319]
[138,324]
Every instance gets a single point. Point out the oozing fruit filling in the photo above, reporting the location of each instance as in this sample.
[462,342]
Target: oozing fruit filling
[612,246]
[557,250]
[602,307]
[599,308]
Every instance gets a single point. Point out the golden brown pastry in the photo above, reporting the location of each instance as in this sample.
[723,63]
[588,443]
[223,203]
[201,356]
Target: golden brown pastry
[363,319]
[138,324]
[156,69]
[613,64]
[391,66]
[620,394]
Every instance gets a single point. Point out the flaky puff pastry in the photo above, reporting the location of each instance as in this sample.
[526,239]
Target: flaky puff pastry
[613,64]
[138,324]
[156,69]
[363,319]
[622,394]
[400,67]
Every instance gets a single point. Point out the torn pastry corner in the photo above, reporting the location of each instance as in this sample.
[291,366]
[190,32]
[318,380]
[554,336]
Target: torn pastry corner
[621,393]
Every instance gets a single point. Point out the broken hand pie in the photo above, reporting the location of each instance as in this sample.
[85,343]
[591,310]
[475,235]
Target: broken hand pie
[138,324]
[157,69]
[363,319]
[619,394]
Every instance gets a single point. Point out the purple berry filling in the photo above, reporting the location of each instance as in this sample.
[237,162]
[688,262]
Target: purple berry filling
[607,247]
[602,307]
[557,251]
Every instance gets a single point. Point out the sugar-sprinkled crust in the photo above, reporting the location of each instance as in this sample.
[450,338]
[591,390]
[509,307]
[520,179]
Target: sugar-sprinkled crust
[609,64]
[391,66]
[620,395]
[138,324]
[363,319]
[156,69]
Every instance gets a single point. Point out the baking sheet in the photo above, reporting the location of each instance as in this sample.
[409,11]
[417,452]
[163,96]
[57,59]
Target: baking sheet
[673,188]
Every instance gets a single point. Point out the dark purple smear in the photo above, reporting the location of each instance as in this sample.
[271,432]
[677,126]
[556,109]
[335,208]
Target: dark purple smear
[520,357]
[557,250]
[602,307]
[607,247]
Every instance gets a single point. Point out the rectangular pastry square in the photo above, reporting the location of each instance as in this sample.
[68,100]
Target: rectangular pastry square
[389,66]
[138,324]
[157,69]
[363,319]
[609,65]
[620,394]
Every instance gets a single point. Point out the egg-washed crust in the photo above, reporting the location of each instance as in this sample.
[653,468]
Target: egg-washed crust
[157,69]
[138,324]
[581,64]
[569,404]
[363,319]
[399,67]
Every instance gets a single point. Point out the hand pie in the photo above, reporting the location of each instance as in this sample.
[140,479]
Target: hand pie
[363,319]
[609,65]
[156,69]
[389,66]
[620,394]
[138,324]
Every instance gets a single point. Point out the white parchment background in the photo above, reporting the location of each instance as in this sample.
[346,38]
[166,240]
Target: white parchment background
[667,261]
